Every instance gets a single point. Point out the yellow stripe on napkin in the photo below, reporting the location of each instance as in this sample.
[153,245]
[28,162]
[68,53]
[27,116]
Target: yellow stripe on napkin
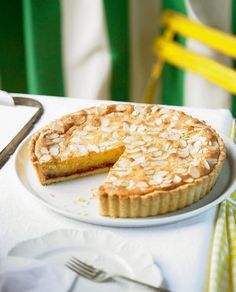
[222,266]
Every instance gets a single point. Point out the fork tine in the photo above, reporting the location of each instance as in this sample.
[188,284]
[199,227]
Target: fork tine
[84,265]
[75,266]
[79,271]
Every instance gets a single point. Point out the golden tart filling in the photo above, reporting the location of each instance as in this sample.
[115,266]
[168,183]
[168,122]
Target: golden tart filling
[160,159]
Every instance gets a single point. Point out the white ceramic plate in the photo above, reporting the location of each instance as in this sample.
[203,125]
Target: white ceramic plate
[99,248]
[74,198]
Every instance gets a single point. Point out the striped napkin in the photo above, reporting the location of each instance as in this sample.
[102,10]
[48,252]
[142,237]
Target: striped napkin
[222,265]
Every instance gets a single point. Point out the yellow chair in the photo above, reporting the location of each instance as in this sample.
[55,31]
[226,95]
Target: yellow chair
[222,262]
[167,50]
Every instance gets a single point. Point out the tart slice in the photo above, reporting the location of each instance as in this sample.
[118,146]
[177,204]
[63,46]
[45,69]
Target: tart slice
[159,159]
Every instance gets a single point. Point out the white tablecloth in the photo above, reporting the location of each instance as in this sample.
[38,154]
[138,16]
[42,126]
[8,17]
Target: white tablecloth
[180,249]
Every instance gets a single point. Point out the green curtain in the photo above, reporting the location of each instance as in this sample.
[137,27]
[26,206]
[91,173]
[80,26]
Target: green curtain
[42,33]
[117,19]
[12,57]
[30,49]
[173,78]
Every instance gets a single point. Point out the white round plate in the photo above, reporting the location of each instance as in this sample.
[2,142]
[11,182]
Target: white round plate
[75,198]
[102,249]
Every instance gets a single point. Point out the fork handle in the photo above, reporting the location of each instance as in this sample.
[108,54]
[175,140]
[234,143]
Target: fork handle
[141,283]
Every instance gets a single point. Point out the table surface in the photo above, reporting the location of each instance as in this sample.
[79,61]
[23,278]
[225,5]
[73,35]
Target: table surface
[181,249]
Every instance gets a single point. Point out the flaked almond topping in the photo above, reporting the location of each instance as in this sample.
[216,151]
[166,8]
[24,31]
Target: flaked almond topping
[138,108]
[172,125]
[205,150]
[89,128]
[125,126]
[139,143]
[73,147]
[163,111]
[189,122]
[175,117]
[131,184]
[156,154]
[172,151]
[83,149]
[183,153]
[206,164]
[120,107]
[158,163]
[101,109]
[175,137]
[112,178]
[167,181]
[155,130]
[57,126]
[54,150]
[117,182]
[163,157]
[75,140]
[180,170]
[135,113]
[165,116]
[188,179]
[106,129]
[64,154]
[142,185]
[158,122]
[155,109]
[215,143]
[81,119]
[212,161]
[133,128]
[141,129]
[134,163]
[147,138]
[166,146]
[162,173]
[143,149]
[83,133]
[93,148]
[115,135]
[122,173]
[124,183]
[153,149]
[128,139]
[123,163]
[140,159]
[44,150]
[183,143]
[104,122]
[149,171]
[177,179]
[133,150]
[57,140]
[195,162]
[156,180]
[194,151]
[52,136]
[197,144]
[194,171]
[45,158]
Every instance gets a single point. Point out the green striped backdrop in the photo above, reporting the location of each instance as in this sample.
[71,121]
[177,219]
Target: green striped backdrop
[31,58]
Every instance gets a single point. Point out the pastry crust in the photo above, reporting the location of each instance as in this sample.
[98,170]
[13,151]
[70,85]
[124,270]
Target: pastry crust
[163,159]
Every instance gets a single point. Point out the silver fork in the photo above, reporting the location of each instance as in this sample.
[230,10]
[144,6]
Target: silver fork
[97,275]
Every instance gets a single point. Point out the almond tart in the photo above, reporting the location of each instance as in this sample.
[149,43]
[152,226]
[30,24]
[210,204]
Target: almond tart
[159,159]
